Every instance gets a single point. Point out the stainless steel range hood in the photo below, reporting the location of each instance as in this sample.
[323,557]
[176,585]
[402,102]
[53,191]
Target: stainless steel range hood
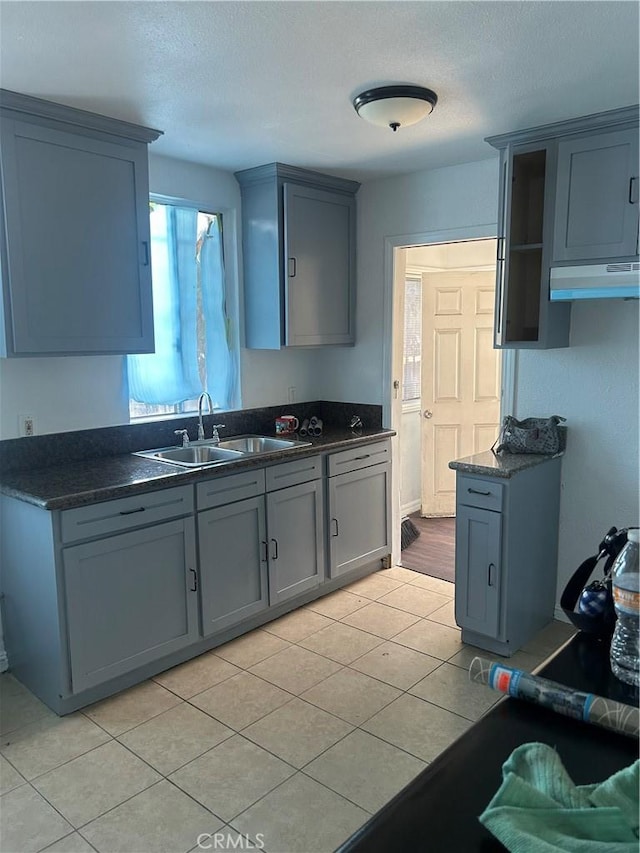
[596,281]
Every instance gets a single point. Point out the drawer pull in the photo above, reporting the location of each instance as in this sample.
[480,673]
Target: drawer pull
[131,511]
[490,574]
[478,492]
[337,529]
[194,588]
[358,458]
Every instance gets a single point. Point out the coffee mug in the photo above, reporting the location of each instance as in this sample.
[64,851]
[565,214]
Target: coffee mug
[286,423]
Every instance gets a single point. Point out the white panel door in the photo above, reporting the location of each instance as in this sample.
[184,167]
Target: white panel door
[460,379]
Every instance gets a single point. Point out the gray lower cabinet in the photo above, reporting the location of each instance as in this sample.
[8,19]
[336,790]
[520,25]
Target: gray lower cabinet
[74,231]
[478,568]
[261,540]
[299,254]
[596,212]
[358,518]
[296,540]
[233,563]
[130,599]
[130,586]
[506,555]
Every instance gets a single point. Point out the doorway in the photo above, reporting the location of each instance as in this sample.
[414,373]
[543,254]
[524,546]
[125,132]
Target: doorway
[450,387]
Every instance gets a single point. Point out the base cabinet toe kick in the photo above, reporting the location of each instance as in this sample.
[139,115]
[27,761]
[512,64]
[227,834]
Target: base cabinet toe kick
[100,598]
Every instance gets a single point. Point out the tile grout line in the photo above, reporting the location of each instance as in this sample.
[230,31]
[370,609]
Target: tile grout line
[233,731]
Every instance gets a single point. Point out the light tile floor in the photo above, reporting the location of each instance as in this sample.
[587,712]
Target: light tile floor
[292,735]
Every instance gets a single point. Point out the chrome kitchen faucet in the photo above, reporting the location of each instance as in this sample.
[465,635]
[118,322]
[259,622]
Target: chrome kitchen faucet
[204,396]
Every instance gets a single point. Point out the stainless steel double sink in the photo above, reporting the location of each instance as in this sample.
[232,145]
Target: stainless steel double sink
[202,453]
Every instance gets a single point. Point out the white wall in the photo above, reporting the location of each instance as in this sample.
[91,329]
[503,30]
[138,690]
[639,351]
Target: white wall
[440,200]
[594,384]
[85,392]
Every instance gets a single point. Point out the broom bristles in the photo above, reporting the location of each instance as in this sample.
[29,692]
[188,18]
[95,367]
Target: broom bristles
[408,533]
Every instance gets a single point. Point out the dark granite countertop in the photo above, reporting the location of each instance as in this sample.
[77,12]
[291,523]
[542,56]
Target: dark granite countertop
[488,464]
[93,480]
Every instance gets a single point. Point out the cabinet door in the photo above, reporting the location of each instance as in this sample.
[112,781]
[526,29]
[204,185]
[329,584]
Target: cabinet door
[131,599]
[525,318]
[233,563]
[320,266]
[78,276]
[478,550]
[597,197]
[296,540]
[359,525]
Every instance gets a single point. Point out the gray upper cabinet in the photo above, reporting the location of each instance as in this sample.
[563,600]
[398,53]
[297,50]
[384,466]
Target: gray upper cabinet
[524,316]
[298,239]
[597,197]
[76,274]
[567,194]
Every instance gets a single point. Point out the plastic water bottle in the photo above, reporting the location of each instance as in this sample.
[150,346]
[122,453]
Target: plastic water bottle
[625,643]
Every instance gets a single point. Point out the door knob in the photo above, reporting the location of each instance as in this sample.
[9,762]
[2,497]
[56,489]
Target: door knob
[428,413]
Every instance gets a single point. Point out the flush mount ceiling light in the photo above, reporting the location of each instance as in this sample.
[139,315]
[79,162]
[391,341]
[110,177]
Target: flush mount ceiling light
[395,106]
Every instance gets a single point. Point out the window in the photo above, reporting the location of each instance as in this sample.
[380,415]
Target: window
[192,351]
[412,355]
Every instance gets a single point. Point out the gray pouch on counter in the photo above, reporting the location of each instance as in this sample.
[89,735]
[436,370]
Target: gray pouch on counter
[532,435]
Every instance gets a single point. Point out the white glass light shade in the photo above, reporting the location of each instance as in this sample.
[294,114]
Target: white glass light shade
[395,111]
[395,106]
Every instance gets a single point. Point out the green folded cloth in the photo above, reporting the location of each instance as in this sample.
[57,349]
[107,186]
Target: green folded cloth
[538,809]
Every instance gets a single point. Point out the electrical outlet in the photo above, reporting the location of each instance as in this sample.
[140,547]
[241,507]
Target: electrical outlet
[292,393]
[27,425]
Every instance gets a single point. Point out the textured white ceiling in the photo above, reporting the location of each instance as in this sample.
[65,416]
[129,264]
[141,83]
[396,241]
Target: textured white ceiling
[237,84]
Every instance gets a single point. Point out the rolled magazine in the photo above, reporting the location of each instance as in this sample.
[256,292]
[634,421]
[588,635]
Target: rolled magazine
[572,703]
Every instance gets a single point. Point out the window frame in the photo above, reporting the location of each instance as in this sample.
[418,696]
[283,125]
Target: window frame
[415,403]
[230,249]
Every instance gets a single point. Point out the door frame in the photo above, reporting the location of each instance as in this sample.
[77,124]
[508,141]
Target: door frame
[392,351]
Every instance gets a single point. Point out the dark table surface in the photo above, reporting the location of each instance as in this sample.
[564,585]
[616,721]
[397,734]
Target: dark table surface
[438,811]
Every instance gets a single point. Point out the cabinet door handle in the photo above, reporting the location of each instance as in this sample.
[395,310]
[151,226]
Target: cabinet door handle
[293,267]
[145,253]
[131,511]
[274,555]
[478,492]
[194,587]
[632,200]
[266,550]
[500,247]
[334,521]
[490,574]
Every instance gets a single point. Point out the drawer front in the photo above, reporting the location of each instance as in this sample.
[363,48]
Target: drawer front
[293,473]
[226,490]
[473,491]
[359,457]
[125,513]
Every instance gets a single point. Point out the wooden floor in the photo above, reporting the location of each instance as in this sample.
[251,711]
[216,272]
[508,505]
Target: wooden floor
[433,552]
